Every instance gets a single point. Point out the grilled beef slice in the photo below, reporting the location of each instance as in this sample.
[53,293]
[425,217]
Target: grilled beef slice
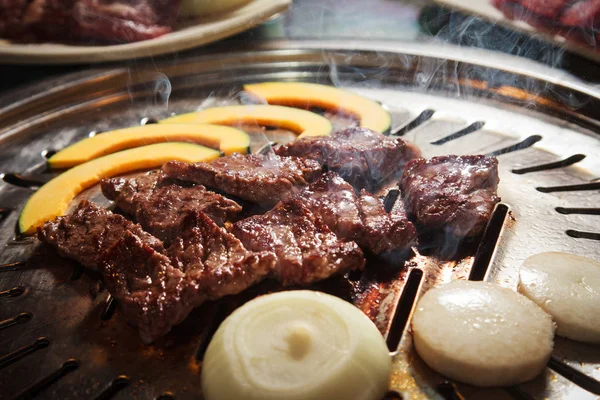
[363,220]
[383,231]
[334,200]
[159,204]
[89,231]
[151,292]
[452,193]
[365,158]
[216,260]
[262,179]
[307,250]
[157,291]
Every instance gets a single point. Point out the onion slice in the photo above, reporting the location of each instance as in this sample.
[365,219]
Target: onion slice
[300,345]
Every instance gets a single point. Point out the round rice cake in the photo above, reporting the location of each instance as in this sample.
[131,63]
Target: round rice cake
[482,334]
[567,287]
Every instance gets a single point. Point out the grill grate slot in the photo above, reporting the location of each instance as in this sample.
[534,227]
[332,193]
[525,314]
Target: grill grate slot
[16,355]
[392,396]
[518,394]
[120,383]
[4,212]
[570,188]
[20,240]
[48,153]
[14,292]
[148,121]
[110,305]
[474,127]
[28,182]
[12,266]
[35,389]
[489,242]
[420,120]
[404,309]
[553,165]
[528,142]
[582,235]
[390,199]
[577,377]
[449,391]
[217,316]
[16,320]
[583,211]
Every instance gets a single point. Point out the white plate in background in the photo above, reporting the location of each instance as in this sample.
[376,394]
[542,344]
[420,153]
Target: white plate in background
[183,37]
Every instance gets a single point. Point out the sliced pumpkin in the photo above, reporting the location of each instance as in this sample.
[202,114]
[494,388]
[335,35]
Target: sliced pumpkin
[299,94]
[53,199]
[303,123]
[228,140]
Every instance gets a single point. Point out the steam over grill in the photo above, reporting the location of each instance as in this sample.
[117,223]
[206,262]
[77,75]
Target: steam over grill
[62,335]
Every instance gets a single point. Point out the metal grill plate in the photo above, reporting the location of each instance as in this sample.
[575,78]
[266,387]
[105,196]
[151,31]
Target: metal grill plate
[66,305]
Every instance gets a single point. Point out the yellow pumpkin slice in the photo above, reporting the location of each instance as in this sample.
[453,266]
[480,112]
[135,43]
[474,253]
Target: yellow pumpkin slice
[53,199]
[228,140]
[303,123]
[299,94]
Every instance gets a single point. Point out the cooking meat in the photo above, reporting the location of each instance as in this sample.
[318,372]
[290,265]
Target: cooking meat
[159,204]
[262,179]
[72,20]
[363,220]
[90,230]
[334,200]
[365,158]
[307,250]
[216,260]
[128,193]
[382,231]
[151,292]
[157,291]
[157,288]
[452,193]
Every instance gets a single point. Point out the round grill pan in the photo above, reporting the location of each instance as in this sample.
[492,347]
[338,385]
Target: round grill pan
[62,336]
